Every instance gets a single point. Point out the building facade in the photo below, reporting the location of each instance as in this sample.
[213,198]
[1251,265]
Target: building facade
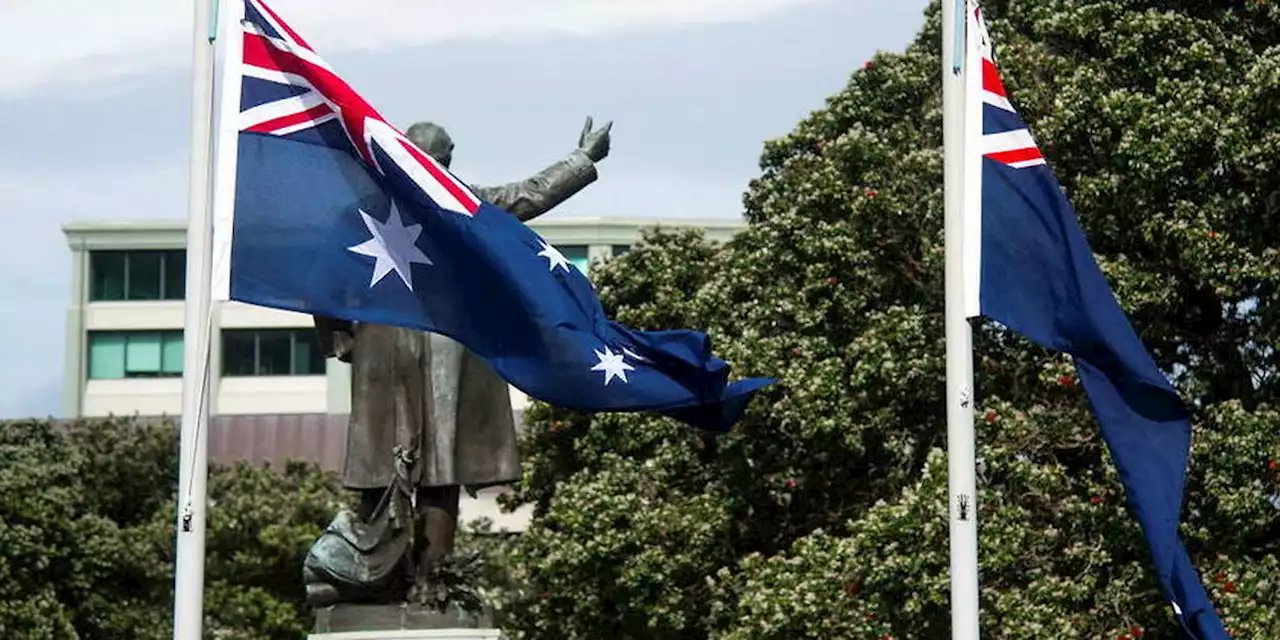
[274,395]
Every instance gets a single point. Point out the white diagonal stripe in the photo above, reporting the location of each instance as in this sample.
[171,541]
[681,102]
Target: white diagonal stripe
[998,101]
[313,122]
[388,139]
[1027,163]
[286,46]
[276,76]
[1007,141]
[280,108]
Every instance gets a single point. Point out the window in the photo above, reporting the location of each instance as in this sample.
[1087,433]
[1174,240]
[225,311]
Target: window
[115,355]
[619,249]
[577,254]
[271,352]
[137,275]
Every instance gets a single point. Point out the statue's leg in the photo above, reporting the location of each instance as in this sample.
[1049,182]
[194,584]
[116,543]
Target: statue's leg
[439,506]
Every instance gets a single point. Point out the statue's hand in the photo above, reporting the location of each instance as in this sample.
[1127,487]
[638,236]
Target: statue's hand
[343,344]
[595,143]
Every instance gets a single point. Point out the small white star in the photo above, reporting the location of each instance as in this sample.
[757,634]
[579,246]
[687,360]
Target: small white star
[393,247]
[612,365]
[554,257]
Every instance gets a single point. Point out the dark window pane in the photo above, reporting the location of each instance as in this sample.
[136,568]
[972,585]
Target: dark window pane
[106,275]
[574,251]
[275,352]
[619,249]
[238,353]
[175,275]
[144,275]
[307,360]
[577,254]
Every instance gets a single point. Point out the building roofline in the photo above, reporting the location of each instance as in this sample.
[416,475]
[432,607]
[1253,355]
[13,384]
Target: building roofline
[105,226]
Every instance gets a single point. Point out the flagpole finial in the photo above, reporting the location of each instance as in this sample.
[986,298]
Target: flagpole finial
[212,33]
[957,55]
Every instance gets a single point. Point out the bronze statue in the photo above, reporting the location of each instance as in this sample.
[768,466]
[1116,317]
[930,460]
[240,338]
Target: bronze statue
[427,417]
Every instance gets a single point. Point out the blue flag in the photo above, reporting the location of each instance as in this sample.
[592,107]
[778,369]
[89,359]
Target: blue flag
[337,214]
[1037,276]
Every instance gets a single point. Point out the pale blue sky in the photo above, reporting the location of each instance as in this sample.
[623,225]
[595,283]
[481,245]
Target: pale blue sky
[93,111]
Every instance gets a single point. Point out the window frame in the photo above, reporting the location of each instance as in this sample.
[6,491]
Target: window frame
[257,334]
[165,338]
[166,256]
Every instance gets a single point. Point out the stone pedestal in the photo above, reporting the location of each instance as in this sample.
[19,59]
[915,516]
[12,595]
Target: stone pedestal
[400,622]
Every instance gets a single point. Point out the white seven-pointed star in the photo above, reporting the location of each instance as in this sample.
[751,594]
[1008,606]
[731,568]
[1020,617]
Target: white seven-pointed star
[612,365]
[555,258]
[392,247]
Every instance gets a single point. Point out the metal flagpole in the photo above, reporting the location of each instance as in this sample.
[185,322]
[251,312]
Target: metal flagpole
[188,597]
[959,335]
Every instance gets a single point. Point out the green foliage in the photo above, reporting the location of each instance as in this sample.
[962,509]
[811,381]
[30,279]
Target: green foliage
[452,583]
[824,513]
[87,518]
[619,549]
[495,584]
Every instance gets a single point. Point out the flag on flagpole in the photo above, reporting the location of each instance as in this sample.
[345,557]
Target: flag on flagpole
[336,213]
[1030,268]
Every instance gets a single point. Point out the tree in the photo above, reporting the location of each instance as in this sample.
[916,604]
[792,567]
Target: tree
[824,513]
[87,532]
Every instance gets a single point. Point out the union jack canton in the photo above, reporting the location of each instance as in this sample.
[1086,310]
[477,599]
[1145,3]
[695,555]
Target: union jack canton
[290,91]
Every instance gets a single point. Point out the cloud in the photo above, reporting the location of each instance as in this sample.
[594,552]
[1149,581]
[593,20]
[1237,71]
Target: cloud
[98,40]
[35,269]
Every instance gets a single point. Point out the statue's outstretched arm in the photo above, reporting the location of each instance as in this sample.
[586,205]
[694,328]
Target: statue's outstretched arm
[539,194]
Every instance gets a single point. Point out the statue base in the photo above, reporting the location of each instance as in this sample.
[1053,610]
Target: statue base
[400,622]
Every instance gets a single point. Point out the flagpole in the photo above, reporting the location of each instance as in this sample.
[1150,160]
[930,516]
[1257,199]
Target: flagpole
[188,597]
[959,336]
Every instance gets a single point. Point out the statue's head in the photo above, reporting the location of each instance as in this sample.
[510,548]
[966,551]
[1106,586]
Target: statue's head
[433,140]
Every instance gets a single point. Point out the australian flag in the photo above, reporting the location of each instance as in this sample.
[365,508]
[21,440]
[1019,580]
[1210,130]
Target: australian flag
[337,214]
[1036,275]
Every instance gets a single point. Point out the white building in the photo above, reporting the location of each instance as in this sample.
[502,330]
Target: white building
[274,395]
